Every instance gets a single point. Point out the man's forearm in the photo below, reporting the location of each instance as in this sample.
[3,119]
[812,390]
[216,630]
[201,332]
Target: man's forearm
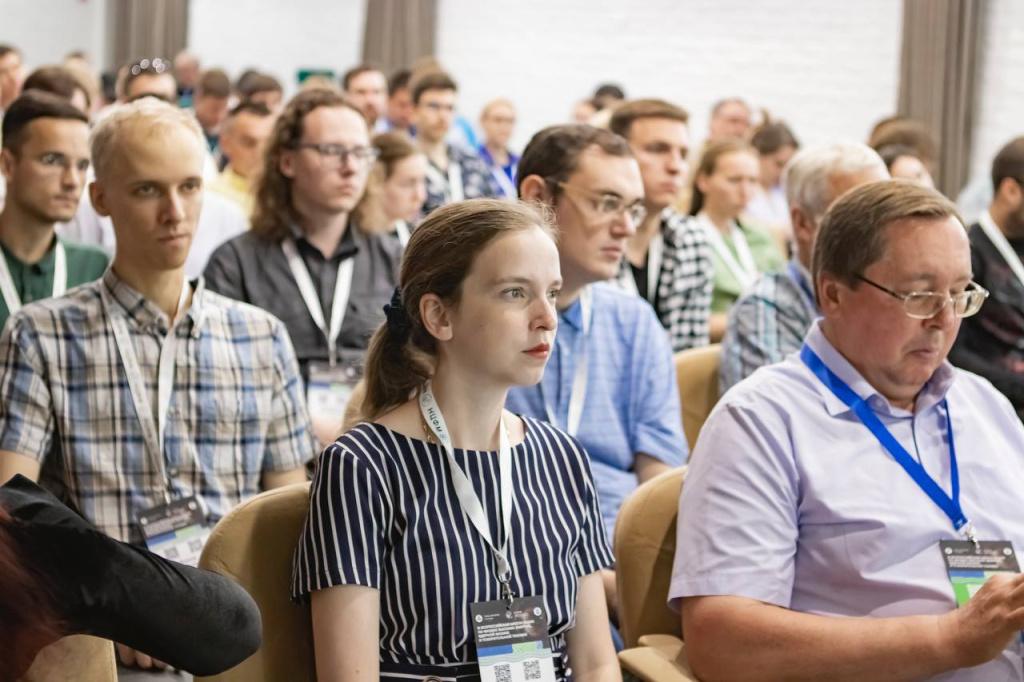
[748,640]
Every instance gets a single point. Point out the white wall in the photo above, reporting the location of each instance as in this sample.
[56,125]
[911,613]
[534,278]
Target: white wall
[277,37]
[829,68]
[46,30]
[1000,106]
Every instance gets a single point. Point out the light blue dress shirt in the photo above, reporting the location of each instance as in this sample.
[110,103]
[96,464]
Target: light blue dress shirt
[631,404]
[790,500]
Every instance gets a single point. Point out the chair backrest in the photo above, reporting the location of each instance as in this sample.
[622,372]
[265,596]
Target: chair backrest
[697,379]
[78,658]
[645,546]
[253,545]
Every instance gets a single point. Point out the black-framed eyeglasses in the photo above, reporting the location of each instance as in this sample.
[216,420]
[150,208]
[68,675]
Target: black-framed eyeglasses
[609,205]
[155,65]
[924,305]
[334,156]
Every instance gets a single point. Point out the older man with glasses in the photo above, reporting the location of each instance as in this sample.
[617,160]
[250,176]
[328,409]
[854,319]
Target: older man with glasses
[853,513]
[304,260]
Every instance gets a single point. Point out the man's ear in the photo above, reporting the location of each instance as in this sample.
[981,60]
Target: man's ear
[534,188]
[286,164]
[99,199]
[7,161]
[434,314]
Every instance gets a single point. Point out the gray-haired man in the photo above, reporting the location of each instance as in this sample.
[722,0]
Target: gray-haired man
[771,319]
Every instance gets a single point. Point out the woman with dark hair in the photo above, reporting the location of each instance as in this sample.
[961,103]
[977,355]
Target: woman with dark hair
[722,186]
[445,518]
[61,576]
[775,145]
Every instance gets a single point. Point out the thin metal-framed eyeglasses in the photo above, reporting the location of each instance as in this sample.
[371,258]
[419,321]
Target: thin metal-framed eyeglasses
[609,205]
[924,305]
[334,156]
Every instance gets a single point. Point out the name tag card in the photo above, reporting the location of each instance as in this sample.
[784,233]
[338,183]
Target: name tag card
[176,531]
[330,388]
[970,567]
[512,644]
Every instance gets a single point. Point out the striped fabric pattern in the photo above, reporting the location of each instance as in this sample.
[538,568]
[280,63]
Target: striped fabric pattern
[384,514]
[237,408]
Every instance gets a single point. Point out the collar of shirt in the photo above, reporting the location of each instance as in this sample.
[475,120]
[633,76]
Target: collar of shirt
[347,247]
[235,181]
[933,393]
[44,267]
[573,315]
[143,313]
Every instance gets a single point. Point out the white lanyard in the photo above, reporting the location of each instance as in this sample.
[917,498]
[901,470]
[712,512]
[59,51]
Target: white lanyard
[745,270]
[508,190]
[453,181]
[579,381]
[152,433]
[655,251]
[997,237]
[342,290]
[10,290]
[402,229]
[464,489]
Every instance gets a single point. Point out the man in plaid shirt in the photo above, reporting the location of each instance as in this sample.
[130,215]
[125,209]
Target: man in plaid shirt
[668,260]
[141,388]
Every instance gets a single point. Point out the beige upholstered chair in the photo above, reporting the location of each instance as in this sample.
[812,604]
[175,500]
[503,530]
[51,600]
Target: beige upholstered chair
[645,544]
[697,378]
[78,658]
[253,545]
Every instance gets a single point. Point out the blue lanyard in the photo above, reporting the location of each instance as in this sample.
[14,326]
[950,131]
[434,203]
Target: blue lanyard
[802,283]
[948,504]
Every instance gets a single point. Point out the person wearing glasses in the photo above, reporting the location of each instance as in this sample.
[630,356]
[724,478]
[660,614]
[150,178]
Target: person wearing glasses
[770,320]
[45,159]
[861,501]
[305,260]
[668,260]
[726,179]
[454,173]
[610,381]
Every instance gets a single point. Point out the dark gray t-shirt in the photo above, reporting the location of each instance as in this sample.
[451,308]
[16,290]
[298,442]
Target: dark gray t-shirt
[254,270]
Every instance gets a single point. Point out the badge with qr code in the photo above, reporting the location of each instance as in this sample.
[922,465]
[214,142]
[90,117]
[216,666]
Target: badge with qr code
[176,531]
[512,644]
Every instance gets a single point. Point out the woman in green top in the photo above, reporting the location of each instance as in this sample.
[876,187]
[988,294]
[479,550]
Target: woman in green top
[724,183]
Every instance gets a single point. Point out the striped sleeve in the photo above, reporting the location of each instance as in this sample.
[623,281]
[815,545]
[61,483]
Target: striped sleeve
[342,541]
[593,552]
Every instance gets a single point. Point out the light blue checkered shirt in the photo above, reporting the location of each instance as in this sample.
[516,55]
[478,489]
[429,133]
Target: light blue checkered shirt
[631,403]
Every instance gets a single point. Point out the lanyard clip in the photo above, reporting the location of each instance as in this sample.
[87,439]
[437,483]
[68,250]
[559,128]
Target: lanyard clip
[971,535]
[506,592]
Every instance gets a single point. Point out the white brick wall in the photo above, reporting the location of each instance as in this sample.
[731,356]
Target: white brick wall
[1000,106]
[277,37]
[829,68]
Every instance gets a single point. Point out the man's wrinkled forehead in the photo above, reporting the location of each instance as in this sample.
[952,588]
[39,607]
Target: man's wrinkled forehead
[598,171]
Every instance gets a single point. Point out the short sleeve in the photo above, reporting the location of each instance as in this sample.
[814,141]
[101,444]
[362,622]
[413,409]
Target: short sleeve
[655,409]
[290,439]
[738,528]
[342,541]
[26,405]
[594,551]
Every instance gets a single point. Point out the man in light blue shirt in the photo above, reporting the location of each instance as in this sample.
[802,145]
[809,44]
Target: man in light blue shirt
[610,381]
[808,543]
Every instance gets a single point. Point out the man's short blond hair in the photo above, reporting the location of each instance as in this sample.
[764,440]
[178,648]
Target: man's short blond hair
[147,116]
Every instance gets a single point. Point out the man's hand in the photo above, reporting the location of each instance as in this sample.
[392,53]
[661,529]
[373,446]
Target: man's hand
[979,630]
[131,657]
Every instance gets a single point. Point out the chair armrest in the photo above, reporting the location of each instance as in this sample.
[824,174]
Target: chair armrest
[659,658]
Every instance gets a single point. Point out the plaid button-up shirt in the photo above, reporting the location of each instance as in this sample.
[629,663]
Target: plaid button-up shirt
[236,409]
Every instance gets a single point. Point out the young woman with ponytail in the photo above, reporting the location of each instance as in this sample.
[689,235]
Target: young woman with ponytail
[443,501]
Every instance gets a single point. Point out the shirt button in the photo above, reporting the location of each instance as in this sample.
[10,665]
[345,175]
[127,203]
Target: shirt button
[173,471]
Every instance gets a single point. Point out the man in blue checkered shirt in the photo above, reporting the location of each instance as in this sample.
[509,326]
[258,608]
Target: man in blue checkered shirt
[142,388]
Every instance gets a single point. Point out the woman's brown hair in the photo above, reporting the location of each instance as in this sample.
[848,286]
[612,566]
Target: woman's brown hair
[708,164]
[440,253]
[273,211]
[392,148]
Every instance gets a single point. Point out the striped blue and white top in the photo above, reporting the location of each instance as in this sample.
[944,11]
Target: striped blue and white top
[384,514]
